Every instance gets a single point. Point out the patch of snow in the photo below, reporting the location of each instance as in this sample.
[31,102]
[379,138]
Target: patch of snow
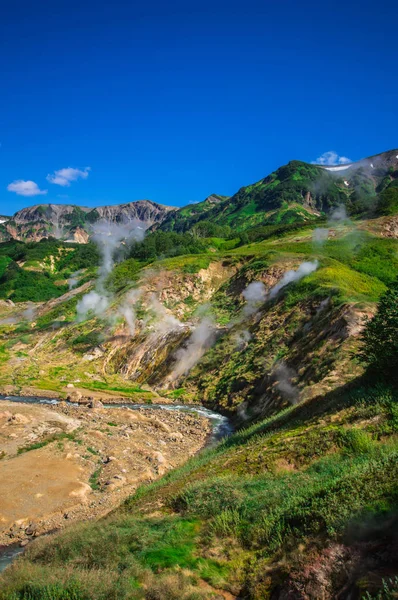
[371,164]
[337,168]
[346,183]
[3,221]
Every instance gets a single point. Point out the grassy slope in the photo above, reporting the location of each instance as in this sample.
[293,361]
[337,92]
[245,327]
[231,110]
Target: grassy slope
[241,517]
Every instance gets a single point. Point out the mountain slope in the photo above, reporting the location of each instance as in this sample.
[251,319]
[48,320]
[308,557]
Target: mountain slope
[295,192]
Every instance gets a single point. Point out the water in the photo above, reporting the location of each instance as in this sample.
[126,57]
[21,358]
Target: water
[8,554]
[221,427]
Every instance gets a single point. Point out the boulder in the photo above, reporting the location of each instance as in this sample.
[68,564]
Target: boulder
[93,403]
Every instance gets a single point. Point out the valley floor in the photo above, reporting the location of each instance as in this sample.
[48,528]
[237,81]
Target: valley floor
[66,463]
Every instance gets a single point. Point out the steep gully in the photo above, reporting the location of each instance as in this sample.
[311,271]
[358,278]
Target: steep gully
[221,427]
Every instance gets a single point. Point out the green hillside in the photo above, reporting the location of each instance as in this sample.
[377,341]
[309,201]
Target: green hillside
[296,192]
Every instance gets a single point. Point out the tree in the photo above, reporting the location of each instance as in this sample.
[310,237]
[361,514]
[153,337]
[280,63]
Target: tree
[388,201]
[380,336]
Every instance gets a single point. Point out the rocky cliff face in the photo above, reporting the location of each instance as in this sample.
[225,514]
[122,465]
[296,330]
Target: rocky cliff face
[73,223]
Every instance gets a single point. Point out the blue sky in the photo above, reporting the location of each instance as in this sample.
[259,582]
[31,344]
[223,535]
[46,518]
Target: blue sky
[175,100]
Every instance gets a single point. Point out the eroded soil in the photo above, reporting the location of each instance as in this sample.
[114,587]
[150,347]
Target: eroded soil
[63,463]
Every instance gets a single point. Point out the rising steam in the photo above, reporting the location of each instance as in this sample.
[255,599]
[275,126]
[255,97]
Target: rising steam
[112,240]
[255,294]
[293,276]
[127,309]
[283,376]
[200,340]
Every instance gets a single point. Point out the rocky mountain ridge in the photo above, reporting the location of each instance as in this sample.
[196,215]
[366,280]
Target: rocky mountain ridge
[72,223]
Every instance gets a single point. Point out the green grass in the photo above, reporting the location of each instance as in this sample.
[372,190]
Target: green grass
[94,479]
[56,437]
[123,389]
[230,508]
[92,451]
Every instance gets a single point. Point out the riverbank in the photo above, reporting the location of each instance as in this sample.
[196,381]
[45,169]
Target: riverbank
[63,463]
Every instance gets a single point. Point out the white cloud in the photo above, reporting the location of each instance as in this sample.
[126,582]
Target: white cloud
[25,188]
[331,158]
[65,176]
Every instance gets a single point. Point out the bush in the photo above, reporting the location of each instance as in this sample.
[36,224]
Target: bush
[355,441]
[388,201]
[380,336]
[123,274]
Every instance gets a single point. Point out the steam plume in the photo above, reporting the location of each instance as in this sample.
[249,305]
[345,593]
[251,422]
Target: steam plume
[292,276]
[127,309]
[201,339]
[112,240]
[93,301]
[73,280]
[321,234]
[255,294]
[283,376]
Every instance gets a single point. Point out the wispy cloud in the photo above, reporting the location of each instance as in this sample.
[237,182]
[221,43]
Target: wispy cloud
[331,158]
[65,176]
[25,188]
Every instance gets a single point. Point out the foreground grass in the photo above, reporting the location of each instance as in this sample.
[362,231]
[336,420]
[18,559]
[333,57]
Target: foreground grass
[313,472]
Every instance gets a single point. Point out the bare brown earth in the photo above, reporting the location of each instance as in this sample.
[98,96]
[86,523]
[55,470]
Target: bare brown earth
[92,459]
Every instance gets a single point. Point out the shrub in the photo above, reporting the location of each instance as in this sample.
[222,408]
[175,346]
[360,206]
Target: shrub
[355,441]
[380,336]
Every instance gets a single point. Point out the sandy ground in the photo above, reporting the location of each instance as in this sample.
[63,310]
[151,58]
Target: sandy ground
[92,459]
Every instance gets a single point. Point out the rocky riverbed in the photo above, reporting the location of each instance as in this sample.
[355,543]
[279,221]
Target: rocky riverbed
[63,463]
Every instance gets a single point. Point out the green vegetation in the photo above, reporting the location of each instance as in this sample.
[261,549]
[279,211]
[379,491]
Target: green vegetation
[56,437]
[164,244]
[380,339]
[388,200]
[123,275]
[37,271]
[94,479]
[323,467]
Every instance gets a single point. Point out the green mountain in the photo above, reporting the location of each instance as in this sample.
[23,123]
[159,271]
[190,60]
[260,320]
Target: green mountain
[295,192]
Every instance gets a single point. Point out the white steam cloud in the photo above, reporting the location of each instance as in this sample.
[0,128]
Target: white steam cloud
[200,340]
[29,312]
[92,302]
[74,279]
[255,294]
[320,234]
[242,338]
[293,276]
[127,309]
[112,239]
[283,376]
[165,320]
[339,214]
[109,237]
